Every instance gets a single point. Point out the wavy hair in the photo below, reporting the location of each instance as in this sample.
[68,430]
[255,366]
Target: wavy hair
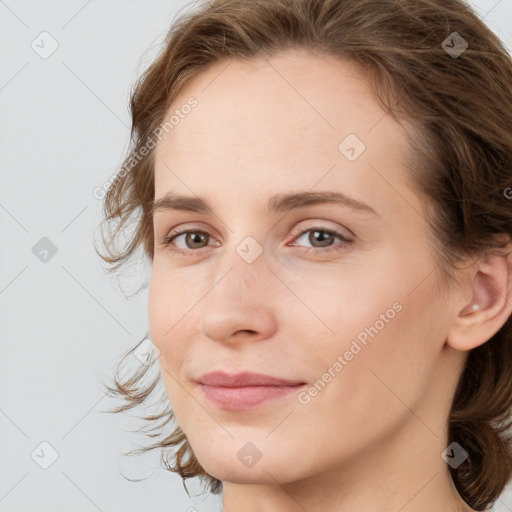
[460,108]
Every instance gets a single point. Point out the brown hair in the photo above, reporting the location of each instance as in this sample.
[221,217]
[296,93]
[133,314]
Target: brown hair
[460,108]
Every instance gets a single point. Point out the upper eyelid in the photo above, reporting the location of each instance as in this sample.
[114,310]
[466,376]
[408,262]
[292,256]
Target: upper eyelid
[186,229]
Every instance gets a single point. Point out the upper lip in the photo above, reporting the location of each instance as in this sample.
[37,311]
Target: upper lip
[219,378]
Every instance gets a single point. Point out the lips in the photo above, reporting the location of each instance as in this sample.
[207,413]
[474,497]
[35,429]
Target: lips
[245,390]
[219,378]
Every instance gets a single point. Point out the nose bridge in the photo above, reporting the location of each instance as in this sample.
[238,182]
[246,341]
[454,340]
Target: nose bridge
[243,267]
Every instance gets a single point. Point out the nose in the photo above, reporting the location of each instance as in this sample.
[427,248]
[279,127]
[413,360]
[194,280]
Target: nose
[239,304]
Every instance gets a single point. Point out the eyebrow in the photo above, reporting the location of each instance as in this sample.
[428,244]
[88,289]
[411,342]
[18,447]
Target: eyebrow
[277,203]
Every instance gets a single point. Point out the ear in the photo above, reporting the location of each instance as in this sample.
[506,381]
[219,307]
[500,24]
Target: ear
[489,285]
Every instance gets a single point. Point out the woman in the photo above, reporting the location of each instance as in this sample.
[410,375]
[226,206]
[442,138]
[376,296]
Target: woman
[369,368]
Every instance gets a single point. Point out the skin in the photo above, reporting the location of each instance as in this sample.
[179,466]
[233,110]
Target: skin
[372,438]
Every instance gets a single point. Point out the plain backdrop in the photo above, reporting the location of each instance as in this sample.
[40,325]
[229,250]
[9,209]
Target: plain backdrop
[66,69]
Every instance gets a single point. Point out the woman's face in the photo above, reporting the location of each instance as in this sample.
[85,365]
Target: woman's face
[342,298]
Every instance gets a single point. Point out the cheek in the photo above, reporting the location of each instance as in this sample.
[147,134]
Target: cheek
[377,337]
[169,335]
[371,391]
[347,302]
[171,295]
[169,315]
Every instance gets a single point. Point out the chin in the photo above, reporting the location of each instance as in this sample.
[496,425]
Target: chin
[227,466]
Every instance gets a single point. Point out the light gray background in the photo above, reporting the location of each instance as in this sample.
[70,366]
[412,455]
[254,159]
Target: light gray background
[64,128]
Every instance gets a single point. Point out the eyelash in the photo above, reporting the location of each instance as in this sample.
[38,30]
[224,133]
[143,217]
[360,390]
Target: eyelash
[167,241]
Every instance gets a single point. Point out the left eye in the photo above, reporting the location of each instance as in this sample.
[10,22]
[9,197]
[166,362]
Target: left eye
[323,236]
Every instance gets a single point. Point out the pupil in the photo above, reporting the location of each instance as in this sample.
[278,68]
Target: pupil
[192,237]
[321,238]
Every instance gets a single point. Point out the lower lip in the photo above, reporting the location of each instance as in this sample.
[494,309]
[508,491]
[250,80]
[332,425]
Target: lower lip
[240,398]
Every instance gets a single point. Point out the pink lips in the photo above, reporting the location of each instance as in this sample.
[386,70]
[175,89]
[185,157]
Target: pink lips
[244,390]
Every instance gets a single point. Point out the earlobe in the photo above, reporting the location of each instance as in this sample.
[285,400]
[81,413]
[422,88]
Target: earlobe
[490,306]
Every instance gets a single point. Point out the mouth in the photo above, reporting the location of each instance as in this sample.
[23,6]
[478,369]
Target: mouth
[237,398]
[245,390]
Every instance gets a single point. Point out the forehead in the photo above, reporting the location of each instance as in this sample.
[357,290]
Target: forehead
[284,120]
[308,94]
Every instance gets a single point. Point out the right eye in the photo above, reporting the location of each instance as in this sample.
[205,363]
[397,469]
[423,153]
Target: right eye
[191,237]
